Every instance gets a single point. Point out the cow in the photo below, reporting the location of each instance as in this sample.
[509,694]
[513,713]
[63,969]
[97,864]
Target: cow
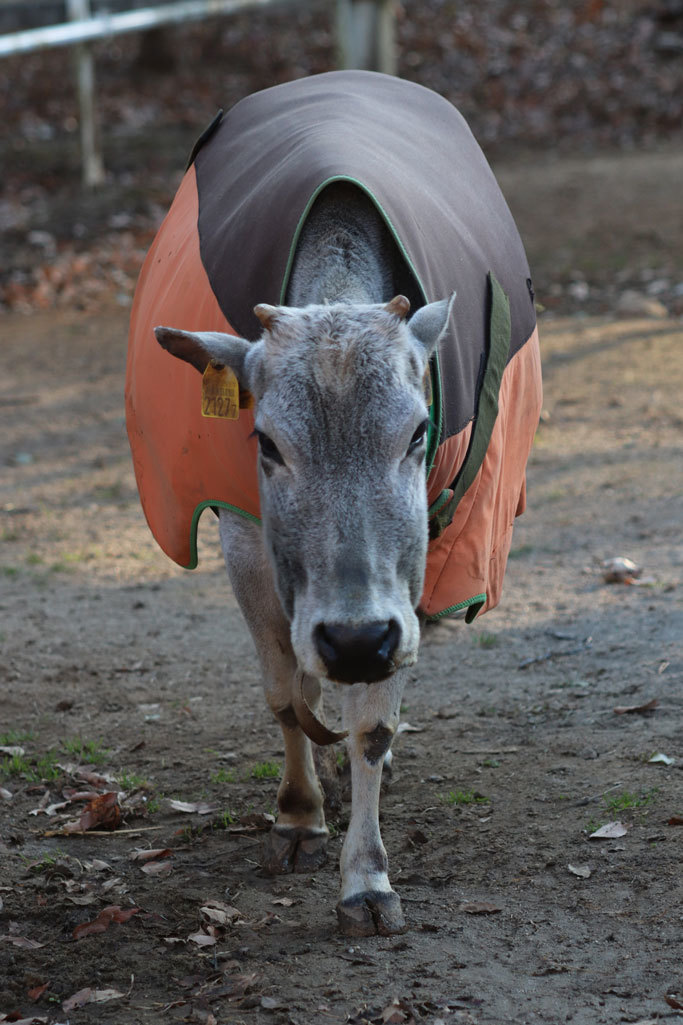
[385,387]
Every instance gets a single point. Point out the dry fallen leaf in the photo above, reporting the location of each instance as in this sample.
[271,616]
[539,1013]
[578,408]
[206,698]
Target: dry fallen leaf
[220,913]
[77,999]
[195,807]
[13,752]
[479,907]
[21,941]
[103,996]
[157,868]
[673,1000]
[82,899]
[114,913]
[397,1013]
[97,865]
[23,1021]
[102,812]
[5,794]
[620,571]
[629,709]
[286,902]
[153,855]
[583,871]
[273,1004]
[610,831]
[675,820]
[661,759]
[202,939]
[90,996]
[37,991]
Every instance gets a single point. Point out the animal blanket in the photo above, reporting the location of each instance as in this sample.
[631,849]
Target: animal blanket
[227,244]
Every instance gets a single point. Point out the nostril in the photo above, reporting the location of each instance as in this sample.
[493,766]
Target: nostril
[355,653]
[324,643]
[390,640]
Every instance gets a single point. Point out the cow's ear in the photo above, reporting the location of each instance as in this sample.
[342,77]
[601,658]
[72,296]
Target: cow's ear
[429,323]
[200,347]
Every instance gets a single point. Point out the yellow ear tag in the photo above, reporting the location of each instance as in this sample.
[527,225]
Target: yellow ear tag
[220,392]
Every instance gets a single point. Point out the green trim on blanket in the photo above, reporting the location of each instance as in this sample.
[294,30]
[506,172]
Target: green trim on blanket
[199,509]
[436,409]
[471,604]
[487,407]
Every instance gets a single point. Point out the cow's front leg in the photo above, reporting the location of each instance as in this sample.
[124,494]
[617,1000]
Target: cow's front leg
[298,840]
[368,905]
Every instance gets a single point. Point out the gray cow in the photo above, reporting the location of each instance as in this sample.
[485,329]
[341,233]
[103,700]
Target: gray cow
[332,208]
[330,583]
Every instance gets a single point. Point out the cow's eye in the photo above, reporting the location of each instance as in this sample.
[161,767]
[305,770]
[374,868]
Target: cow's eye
[418,438]
[269,449]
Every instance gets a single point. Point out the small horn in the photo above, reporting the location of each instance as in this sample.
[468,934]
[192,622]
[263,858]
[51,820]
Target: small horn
[309,722]
[268,315]
[399,306]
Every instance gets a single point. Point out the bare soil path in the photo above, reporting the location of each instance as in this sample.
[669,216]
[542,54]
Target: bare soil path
[113,658]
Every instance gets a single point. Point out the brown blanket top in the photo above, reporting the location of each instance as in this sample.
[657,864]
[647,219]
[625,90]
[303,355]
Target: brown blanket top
[412,152]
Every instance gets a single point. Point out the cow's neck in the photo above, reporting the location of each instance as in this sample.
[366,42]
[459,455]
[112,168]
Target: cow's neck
[344,253]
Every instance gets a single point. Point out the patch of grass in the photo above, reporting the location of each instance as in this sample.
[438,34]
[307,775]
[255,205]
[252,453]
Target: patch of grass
[130,780]
[464,797]
[623,802]
[9,535]
[13,737]
[33,559]
[35,770]
[266,770]
[90,751]
[46,862]
[9,571]
[68,562]
[491,763]
[626,801]
[485,640]
[224,776]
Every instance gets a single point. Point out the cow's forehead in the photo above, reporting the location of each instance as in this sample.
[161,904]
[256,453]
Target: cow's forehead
[341,348]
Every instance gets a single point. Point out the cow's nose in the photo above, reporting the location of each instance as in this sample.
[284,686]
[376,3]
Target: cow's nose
[354,654]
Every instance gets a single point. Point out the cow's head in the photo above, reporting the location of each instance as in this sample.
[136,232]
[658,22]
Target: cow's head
[341,421]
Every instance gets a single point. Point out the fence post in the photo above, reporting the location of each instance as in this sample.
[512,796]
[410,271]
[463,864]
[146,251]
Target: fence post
[92,164]
[366,35]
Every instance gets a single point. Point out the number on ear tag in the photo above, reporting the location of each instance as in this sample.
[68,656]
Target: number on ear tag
[220,392]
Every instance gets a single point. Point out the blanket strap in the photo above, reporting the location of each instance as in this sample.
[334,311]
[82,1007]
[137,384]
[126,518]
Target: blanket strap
[442,510]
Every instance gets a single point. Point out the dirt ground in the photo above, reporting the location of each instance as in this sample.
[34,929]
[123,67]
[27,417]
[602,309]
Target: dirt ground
[116,660]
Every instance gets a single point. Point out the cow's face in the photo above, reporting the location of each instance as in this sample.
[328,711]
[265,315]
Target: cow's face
[341,422]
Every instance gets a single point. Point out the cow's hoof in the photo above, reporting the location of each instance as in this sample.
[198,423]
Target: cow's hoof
[287,849]
[370,914]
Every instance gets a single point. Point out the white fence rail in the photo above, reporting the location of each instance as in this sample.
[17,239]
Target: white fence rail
[365,37]
[89,28]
